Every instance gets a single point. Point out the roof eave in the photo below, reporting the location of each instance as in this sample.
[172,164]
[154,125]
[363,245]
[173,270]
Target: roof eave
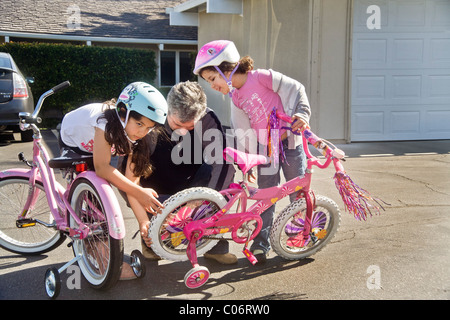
[95,39]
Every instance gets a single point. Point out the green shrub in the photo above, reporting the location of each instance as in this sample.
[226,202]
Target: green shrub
[97,74]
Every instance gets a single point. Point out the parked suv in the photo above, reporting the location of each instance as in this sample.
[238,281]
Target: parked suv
[15,96]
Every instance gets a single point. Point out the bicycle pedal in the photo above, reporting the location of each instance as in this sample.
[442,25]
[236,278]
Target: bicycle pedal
[25,223]
[250,256]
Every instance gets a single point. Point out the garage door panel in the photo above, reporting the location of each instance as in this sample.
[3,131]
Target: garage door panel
[437,122]
[440,14]
[369,88]
[407,52]
[406,87]
[409,14]
[405,123]
[371,53]
[368,124]
[437,88]
[440,52]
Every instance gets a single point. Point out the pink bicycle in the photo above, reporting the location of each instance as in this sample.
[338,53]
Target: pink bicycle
[194,219]
[37,213]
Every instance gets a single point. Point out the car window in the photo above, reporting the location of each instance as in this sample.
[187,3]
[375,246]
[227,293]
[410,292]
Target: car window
[5,63]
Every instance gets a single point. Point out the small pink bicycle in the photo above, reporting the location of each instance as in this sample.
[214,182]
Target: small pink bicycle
[194,219]
[37,213]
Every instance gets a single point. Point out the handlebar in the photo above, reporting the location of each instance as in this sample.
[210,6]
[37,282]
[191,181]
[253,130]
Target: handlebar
[356,200]
[28,121]
[61,86]
[331,154]
[46,94]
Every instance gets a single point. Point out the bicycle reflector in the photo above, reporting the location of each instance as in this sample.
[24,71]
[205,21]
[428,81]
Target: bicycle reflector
[81,167]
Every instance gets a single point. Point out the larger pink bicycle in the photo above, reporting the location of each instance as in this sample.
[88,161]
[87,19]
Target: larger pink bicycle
[37,213]
[194,219]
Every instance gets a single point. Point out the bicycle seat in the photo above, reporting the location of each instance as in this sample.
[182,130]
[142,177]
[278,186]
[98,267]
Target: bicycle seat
[70,158]
[245,161]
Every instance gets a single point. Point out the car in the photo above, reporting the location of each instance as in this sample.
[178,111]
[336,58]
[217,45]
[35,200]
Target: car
[15,96]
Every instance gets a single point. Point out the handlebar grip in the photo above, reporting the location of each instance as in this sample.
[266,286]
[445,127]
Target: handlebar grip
[284,117]
[61,86]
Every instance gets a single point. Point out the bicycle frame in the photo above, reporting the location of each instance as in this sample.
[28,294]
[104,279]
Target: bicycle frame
[57,195]
[301,229]
[265,198]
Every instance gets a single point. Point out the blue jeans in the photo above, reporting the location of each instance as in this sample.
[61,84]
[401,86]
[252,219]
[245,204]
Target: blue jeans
[269,176]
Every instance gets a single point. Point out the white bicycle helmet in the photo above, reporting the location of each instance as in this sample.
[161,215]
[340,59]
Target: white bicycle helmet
[145,100]
[213,54]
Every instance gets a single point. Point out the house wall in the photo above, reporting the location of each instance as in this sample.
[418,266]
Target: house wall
[303,39]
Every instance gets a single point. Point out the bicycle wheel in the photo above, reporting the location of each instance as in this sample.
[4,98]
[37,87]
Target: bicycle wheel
[102,255]
[286,236]
[166,228]
[35,238]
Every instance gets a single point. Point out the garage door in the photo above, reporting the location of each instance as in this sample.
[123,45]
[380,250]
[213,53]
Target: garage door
[400,70]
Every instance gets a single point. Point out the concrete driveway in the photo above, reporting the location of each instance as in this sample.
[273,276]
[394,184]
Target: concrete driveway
[401,254]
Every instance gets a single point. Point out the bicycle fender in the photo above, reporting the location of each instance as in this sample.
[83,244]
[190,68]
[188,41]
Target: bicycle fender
[21,173]
[110,203]
[26,173]
[18,172]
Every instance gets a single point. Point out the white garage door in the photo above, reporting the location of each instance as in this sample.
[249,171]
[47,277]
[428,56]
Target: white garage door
[401,70]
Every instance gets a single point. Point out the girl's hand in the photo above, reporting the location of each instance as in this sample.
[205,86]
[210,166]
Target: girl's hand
[143,228]
[150,201]
[298,124]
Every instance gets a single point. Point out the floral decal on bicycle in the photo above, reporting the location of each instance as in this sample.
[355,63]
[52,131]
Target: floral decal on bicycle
[190,212]
[294,229]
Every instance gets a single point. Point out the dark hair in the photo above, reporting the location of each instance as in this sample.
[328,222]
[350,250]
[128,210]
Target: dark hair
[245,65]
[115,136]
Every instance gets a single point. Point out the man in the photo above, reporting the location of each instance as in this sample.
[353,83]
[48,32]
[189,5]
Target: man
[182,157]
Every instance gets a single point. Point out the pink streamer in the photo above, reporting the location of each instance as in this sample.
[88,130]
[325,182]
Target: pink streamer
[357,200]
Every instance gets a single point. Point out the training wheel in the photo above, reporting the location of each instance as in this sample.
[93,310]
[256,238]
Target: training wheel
[52,283]
[137,263]
[196,277]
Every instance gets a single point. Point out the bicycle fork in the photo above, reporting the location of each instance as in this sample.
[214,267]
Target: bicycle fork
[310,200]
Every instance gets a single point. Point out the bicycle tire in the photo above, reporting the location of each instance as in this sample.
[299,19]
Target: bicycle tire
[34,239]
[102,255]
[288,225]
[168,240]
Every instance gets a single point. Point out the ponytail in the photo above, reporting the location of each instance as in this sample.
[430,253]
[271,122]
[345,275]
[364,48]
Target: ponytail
[245,65]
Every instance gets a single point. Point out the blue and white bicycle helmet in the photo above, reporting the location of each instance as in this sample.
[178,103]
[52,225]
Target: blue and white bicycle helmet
[144,99]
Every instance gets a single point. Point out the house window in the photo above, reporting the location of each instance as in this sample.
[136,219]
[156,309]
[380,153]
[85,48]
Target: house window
[176,66]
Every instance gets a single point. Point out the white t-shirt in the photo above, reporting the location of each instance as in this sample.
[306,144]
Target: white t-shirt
[78,126]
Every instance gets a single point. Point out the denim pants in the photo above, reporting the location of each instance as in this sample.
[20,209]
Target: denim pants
[269,176]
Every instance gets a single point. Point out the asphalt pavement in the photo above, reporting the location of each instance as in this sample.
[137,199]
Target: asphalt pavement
[401,254]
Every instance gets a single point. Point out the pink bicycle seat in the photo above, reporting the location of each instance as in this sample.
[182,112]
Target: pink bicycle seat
[245,161]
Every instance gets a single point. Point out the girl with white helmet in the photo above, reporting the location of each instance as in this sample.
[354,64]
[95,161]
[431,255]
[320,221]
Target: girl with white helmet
[118,128]
[255,95]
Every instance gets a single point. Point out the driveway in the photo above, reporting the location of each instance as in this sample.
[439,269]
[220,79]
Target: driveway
[403,253]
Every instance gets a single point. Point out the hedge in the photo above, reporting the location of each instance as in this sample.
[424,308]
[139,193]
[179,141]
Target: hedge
[97,74]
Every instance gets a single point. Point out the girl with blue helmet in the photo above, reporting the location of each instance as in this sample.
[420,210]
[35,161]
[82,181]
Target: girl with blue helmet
[117,127]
